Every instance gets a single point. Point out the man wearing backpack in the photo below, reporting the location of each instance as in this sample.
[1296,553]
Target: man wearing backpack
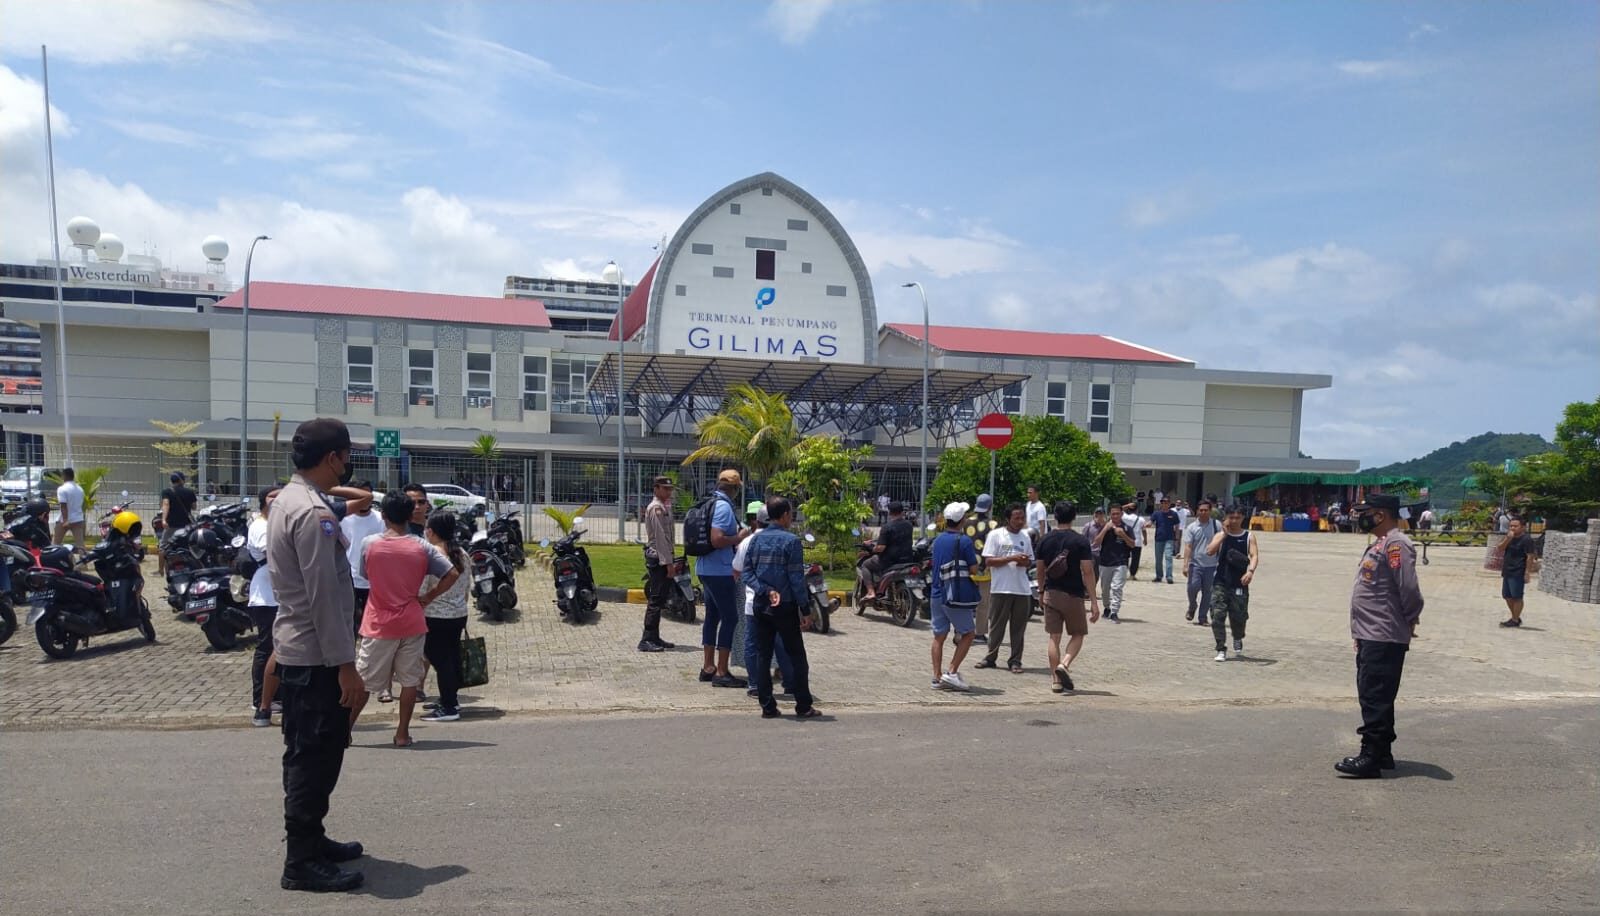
[953,597]
[715,569]
[1067,575]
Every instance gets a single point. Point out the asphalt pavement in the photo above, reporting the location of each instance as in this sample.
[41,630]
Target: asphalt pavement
[993,810]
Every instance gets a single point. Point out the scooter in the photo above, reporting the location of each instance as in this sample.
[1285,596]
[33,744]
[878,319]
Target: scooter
[822,606]
[902,589]
[70,606]
[508,530]
[682,594]
[493,584]
[217,600]
[575,592]
[22,535]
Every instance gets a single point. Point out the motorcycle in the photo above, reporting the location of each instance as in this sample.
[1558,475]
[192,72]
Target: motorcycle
[508,531]
[682,594]
[575,592]
[217,600]
[493,583]
[902,589]
[70,606]
[23,533]
[211,541]
[822,606]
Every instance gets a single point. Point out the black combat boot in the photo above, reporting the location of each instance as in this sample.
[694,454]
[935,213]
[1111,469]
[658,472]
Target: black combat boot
[318,876]
[335,851]
[1364,765]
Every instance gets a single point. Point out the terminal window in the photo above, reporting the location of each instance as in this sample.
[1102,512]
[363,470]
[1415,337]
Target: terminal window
[358,374]
[419,364]
[766,264]
[1100,409]
[1011,399]
[479,380]
[1055,399]
[535,384]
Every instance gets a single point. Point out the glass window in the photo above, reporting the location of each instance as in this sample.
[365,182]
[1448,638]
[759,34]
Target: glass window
[766,264]
[1055,399]
[569,383]
[480,379]
[535,384]
[1011,399]
[419,366]
[1100,408]
[358,375]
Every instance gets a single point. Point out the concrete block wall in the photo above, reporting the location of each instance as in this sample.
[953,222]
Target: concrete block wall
[1569,569]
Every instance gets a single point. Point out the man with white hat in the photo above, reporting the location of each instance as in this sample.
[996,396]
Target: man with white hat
[953,596]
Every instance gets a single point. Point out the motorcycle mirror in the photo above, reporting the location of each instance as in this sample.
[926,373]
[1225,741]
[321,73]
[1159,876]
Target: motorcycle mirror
[855,532]
[577,521]
[810,538]
[545,543]
[124,494]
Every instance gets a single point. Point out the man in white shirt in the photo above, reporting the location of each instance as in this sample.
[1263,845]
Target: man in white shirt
[69,497]
[1183,515]
[357,527]
[1008,552]
[1131,518]
[1038,522]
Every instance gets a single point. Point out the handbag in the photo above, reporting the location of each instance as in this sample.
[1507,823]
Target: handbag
[474,662]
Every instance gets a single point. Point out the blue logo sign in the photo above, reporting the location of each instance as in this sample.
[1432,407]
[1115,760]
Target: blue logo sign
[765,296]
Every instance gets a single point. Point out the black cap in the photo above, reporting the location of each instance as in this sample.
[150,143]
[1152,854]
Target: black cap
[315,439]
[896,507]
[177,477]
[1388,502]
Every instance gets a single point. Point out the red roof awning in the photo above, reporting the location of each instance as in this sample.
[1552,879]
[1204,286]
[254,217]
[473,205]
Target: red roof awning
[357,302]
[998,342]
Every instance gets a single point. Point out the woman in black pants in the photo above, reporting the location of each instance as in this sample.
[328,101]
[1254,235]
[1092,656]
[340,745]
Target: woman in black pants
[447,619]
[263,608]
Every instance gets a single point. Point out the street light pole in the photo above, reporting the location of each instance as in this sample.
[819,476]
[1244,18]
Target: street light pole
[244,377]
[613,274]
[922,495]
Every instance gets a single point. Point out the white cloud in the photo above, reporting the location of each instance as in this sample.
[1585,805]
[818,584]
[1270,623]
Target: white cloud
[1159,209]
[95,32]
[155,132]
[1331,271]
[1372,69]
[796,20]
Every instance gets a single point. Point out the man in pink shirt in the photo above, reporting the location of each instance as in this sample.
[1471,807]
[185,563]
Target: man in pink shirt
[393,628]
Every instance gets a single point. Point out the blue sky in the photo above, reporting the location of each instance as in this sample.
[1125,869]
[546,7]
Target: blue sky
[1405,196]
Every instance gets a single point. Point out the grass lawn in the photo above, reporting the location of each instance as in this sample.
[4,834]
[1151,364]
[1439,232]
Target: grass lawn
[622,566]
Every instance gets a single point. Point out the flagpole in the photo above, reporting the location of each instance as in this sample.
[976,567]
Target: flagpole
[55,245]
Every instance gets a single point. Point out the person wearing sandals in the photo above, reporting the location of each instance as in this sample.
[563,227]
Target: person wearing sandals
[446,617]
[263,609]
[394,627]
[1064,595]
[1008,553]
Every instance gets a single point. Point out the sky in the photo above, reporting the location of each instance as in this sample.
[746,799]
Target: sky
[1403,196]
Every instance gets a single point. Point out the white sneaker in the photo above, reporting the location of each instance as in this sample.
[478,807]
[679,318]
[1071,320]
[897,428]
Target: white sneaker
[1222,655]
[938,684]
[954,681]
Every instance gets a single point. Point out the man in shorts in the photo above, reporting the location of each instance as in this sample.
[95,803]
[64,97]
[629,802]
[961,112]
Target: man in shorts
[953,597]
[1063,596]
[1520,559]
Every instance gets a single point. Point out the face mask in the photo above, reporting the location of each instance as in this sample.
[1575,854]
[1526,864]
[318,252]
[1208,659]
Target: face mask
[347,474]
[1366,523]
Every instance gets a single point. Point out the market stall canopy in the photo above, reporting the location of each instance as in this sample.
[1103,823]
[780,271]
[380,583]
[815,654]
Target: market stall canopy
[1304,478]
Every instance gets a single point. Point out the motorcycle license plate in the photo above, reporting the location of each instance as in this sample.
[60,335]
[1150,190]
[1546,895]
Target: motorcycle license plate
[44,597]
[567,577]
[485,586]
[201,604]
[819,590]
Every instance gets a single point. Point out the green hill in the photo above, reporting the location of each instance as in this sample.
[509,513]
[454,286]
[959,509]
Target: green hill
[1447,466]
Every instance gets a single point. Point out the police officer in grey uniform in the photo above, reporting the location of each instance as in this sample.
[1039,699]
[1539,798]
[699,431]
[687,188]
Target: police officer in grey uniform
[1384,608]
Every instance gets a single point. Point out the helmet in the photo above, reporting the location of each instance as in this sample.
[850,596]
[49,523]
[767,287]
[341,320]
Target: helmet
[127,523]
[36,507]
[204,540]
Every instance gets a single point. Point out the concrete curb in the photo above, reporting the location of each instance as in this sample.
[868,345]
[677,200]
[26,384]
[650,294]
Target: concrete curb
[636,596]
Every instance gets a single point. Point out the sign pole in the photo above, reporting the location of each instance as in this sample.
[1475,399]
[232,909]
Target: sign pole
[992,453]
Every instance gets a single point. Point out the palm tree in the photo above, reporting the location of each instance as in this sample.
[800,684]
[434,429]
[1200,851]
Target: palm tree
[89,479]
[754,429]
[487,447]
[564,519]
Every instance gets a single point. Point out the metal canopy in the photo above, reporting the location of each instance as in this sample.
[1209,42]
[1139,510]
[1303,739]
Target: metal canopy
[674,392]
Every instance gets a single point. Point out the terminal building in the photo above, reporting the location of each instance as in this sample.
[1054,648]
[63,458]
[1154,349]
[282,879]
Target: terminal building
[760,284]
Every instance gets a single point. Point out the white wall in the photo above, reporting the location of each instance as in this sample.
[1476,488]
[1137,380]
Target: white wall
[1168,417]
[134,373]
[1249,422]
[719,307]
[283,373]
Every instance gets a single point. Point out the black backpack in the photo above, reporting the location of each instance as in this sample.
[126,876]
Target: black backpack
[697,527]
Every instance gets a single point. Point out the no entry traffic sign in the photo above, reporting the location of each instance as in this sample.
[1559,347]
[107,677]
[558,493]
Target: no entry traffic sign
[994,431]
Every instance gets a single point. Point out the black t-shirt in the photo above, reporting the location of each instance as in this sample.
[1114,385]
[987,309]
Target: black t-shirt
[1076,547]
[896,539]
[180,505]
[1114,551]
[1516,561]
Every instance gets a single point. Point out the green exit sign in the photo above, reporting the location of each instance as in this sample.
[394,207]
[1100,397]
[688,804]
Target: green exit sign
[386,443]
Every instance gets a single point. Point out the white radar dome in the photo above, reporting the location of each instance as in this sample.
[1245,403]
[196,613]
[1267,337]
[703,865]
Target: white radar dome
[83,231]
[215,248]
[109,248]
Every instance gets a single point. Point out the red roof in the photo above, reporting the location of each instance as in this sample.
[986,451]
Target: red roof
[636,307]
[356,302]
[998,342]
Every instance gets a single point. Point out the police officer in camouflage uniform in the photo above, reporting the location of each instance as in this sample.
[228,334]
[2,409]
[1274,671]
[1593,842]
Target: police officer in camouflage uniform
[1384,608]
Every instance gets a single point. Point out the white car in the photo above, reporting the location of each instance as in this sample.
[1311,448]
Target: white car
[19,483]
[452,497]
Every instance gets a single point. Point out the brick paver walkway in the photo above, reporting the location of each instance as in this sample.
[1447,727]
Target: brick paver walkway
[1298,651]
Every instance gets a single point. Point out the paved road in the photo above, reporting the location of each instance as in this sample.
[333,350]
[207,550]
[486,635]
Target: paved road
[1298,651]
[914,811]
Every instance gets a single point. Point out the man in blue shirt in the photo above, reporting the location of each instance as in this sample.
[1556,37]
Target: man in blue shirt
[1167,525]
[715,570]
[953,597]
[775,567]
